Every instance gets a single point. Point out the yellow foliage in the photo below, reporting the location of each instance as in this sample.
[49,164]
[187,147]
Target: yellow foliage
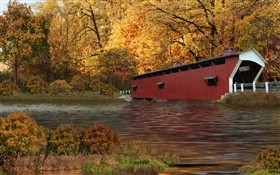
[7,88]
[155,32]
[20,134]
[60,87]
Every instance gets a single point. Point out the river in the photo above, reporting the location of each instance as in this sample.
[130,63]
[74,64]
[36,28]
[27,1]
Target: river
[209,138]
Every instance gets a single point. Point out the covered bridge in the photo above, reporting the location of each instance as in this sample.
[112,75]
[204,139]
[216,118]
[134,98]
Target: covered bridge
[208,79]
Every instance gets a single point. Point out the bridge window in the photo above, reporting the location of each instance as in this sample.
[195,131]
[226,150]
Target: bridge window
[134,87]
[211,80]
[160,85]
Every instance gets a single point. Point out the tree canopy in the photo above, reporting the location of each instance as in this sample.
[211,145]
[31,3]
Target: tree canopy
[20,31]
[67,38]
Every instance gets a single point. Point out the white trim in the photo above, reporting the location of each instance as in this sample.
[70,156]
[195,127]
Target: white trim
[258,75]
[266,87]
[232,75]
[252,55]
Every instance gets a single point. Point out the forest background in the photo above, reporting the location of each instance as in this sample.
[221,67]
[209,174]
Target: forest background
[112,40]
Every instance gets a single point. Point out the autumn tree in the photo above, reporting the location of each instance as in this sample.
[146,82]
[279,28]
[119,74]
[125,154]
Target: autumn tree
[261,31]
[228,17]
[95,21]
[64,42]
[116,66]
[155,32]
[126,34]
[78,33]
[39,63]
[190,25]
[18,32]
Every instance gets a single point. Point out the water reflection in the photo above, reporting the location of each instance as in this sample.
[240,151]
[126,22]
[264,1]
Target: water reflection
[210,139]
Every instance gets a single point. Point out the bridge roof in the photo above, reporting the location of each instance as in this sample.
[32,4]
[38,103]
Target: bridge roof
[250,55]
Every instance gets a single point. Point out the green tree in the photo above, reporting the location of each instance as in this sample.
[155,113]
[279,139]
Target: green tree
[18,32]
[116,66]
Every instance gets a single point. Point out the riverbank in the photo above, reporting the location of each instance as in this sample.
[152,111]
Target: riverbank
[251,98]
[94,150]
[178,126]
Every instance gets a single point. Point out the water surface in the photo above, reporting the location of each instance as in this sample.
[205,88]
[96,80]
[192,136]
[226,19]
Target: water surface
[210,139]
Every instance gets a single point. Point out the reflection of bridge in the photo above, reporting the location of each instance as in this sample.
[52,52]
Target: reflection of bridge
[257,87]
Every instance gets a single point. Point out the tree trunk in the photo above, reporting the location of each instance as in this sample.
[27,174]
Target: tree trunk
[95,28]
[265,75]
[15,76]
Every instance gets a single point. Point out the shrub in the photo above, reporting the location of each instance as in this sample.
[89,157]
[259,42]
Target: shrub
[102,88]
[19,134]
[8,88]
[35,85]
[95,85]
[268,160]
[78,83]
[107,90]
[98,139]
[60,87]
[64,140]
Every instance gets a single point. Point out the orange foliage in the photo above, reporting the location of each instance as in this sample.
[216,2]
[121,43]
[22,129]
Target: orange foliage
[98,139]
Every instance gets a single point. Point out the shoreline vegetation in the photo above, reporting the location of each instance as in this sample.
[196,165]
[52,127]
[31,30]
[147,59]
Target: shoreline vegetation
[251,99]
[28,147]
[36,89]
[87,95]
[245,98]
[59,151]
[56,150]
[267,162]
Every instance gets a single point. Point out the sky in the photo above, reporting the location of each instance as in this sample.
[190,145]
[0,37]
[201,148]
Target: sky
[3,4]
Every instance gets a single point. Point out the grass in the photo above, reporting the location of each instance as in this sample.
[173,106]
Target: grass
[134,157]
[99,169]
[251,99]
[132,165]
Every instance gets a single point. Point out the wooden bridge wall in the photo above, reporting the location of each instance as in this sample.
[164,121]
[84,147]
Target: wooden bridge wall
[188,84]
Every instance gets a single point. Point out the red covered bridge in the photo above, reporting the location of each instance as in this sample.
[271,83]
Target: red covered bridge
[207,79]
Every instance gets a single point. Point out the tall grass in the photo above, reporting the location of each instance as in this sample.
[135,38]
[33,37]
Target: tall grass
[99,169]
[134,157]
[251,98]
